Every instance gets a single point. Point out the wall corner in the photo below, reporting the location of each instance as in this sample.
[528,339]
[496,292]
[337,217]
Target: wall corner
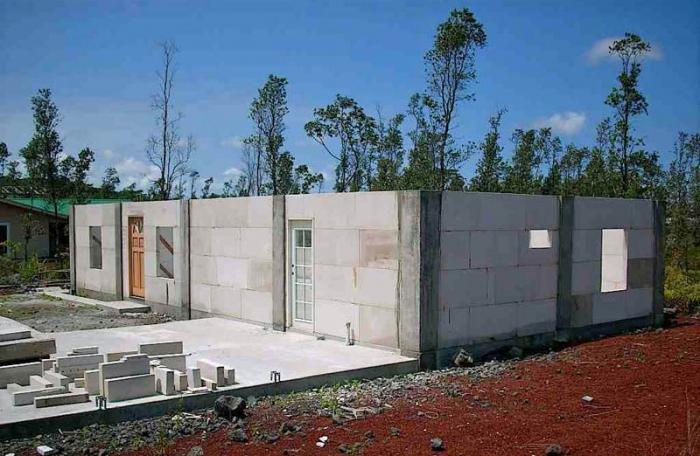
[71,249]
[279,302]
[659,265]
[185,289]
[565,267]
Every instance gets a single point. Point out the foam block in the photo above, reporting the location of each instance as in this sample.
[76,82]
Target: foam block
[83,351]
[75,366]
[14,351]
[230,376]
[180,381]
[161,348]
[6,336]
[56,378]
[36,381]
[61,399]
[212,371]
[92,382]
[165,381]
[117,356]
[26,395]
[194,377]
[133,387]
[18,373]
[175,361]
[48,364]
[130,365]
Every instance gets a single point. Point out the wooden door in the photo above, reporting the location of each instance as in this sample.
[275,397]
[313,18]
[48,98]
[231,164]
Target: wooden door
[136,268]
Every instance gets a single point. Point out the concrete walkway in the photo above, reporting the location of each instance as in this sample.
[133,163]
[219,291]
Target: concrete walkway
[252,350]
[114,306]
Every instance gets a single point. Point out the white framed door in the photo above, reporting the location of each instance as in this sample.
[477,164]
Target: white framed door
[301,272]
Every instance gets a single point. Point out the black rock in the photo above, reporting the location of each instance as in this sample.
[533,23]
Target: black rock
[436,444]
[238,435]
[553,450]
[270,438]
[463,359]
[395,432]
[230,407]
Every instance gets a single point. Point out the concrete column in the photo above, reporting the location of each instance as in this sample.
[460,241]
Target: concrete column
[118,265]
[564,299]
[71,249]
[419,273]
[185,309]
[279,261]
[659,240]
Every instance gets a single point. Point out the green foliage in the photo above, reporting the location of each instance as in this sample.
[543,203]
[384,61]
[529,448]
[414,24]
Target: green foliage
[30,271]
[110,182]
[349,136]
[490,168]
[682,289]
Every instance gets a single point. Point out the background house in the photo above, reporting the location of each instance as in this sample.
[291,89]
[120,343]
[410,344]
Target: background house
[30,222]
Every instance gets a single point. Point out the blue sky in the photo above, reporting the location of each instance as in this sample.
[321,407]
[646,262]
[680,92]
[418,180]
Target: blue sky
[542,62]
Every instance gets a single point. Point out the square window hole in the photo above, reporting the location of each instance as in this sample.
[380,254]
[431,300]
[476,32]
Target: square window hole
[540,239]
[613,266]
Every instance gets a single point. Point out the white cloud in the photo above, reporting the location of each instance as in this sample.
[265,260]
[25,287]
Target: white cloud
[233,171]
[601,51]
[234,142]
[566,123]
[108,153]
[132,170]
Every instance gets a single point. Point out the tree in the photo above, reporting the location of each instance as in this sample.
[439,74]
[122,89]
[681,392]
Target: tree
[450,70]
[165,150]
[4,157]
[389,153]
[682,183]
[490,168]
[532,149]
[344,122]
[194,177]
[110,182]
[572,167]
[31,227]
[42,156]
[75,172]
[627,102]
[206,188]
[267,112]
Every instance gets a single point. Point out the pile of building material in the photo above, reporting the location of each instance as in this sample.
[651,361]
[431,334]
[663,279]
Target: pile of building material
[17,344]
[155,368]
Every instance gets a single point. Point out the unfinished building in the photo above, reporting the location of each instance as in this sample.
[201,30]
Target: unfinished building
[422,273]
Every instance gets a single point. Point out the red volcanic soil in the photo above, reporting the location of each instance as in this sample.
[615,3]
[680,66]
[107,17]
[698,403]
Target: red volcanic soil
[646,401]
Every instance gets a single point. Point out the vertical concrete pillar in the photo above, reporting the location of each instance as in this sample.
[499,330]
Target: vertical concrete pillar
[564,298]
[118,265]
[659,240]
[419,273]
[185,308]
[279,307]
[71,249]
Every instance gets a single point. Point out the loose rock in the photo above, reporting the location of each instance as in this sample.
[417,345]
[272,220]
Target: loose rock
[463,359]
[230,407]
[196,451]
[436,444]
[553,450]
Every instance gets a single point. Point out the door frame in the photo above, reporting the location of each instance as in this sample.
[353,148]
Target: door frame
[292,321]
[130,221]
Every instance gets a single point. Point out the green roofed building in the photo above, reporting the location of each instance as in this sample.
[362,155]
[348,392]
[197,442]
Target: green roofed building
[32,221]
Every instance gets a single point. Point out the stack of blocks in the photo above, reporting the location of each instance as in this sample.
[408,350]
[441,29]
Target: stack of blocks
[119,376]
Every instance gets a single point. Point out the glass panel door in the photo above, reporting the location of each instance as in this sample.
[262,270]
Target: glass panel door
[302,275]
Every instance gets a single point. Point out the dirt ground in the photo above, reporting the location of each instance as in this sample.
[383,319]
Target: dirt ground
[46,314]
[645,390]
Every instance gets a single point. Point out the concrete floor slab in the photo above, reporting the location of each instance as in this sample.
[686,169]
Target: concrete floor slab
[253,351]
[113,306]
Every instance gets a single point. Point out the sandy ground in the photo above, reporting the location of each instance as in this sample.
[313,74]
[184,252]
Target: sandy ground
[45,314]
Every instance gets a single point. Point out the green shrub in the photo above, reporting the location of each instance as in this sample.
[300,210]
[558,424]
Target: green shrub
[30,270]
[682,290]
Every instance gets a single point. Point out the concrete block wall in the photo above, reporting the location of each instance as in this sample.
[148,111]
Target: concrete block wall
[105,282]
[590,306]
[355,263]
[492,285]
[231,258]
[163,294]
